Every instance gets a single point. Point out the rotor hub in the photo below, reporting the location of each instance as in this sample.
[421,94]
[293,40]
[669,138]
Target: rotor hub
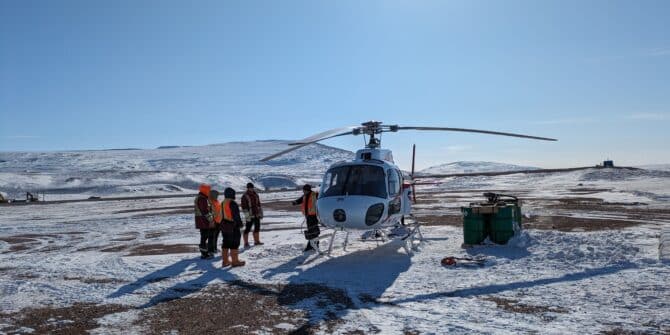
[372,128]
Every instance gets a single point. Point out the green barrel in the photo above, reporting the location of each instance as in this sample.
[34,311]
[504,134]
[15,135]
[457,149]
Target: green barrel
[474,227]
[502,224]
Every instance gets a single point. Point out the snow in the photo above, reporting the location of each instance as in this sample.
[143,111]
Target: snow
[580,282]
[664,245]
[162,171]
[657,167]
[474,166]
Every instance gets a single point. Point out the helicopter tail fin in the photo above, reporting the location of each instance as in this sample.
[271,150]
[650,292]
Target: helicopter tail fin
[413,157]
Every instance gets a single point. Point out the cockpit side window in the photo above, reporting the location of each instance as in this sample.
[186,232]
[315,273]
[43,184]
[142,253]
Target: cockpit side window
[333,182]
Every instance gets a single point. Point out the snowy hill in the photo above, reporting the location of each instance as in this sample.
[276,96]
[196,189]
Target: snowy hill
[164,170]
[473,167]
[656,167]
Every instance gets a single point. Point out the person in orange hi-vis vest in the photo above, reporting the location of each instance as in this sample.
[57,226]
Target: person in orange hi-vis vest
[308,202]
[204,221]
[230,229]
[217,216]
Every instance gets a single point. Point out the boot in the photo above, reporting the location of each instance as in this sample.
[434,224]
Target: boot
[246,240]
[224,258]
[204,254]
[257,238]
[236,261]
[308,247]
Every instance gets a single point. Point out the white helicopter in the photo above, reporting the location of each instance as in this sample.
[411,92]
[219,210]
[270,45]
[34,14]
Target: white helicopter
[370,193]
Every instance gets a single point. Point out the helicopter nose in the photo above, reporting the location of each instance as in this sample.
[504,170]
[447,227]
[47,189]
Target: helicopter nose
[339,215]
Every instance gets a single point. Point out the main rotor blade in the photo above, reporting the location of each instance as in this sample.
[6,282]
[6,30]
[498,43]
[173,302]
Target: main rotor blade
[325,135]
[478,131]
[296,147]
[313,139]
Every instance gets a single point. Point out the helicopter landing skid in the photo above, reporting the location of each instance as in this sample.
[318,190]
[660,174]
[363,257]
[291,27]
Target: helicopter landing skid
[408,234]
[411,237]
[332,239]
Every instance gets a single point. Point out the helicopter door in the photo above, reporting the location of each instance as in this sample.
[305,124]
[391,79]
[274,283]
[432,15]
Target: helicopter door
[406,197]
[394,188]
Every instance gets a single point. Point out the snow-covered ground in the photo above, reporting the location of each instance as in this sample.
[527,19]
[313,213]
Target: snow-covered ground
[473,167]
[658,167]
[577,281]
[141,253]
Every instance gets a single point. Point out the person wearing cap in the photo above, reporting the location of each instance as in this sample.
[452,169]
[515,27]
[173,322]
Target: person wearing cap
[204,220]
[217,217]
[253,213]
[230,229]
[308,206]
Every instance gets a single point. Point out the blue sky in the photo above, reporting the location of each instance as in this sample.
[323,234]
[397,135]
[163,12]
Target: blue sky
[118,74]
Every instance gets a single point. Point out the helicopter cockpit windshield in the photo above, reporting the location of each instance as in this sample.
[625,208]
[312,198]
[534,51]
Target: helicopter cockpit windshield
[368,180]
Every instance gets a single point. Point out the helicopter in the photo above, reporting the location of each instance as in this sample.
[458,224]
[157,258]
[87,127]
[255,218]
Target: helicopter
[370,192]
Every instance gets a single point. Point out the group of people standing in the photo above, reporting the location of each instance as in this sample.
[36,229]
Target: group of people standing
[213,217]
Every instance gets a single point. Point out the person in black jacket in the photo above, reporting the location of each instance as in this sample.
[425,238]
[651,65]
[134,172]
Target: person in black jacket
[230,229]
[253,213]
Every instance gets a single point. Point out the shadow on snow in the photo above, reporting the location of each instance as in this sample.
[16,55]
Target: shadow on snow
[327,290]
[205,267]
[497,288]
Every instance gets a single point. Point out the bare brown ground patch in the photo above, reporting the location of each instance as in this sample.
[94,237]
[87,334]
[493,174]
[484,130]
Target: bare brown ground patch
[125,237]
[89,280]
[473,192]
[628,214]
[32,241]
[92,248]
[514,306]
[33,236]
[556,222]
[75,233]
[632,210]
[17,239]
[599,204]
[588,190]
[621,331]
[26,275]
[564,223]
[257,308]
[17,248]
[76,319]
[153,209]
[440,220]
[154,234]
[162,213]
[52,248]
[19,243]
[115,248]
[282,205]
[440,200]
[162,249]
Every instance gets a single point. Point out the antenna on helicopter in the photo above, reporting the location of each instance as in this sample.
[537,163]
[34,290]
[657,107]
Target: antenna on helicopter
[374,128]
